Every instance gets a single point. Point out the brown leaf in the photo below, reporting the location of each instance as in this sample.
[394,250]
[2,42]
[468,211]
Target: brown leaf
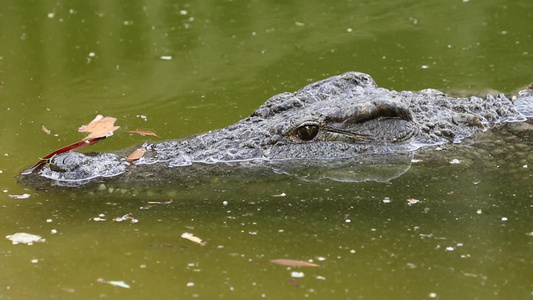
[143,132]
[292,263]
[137,154]
[99,127]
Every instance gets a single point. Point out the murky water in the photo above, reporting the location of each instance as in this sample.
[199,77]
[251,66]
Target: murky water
[440,230]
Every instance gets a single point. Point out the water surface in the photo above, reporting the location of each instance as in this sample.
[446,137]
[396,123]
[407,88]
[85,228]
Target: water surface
[440,230]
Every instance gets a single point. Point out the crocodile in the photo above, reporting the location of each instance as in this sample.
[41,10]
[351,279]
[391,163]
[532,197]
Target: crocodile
[340,120]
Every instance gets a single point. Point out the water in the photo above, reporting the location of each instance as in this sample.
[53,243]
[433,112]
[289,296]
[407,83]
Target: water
[440,230]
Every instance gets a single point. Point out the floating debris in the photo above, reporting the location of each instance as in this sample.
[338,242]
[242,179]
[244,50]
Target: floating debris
[161,202]
[23,196]
[120,283]
[297,274]
[292,263]
[293,282]
[143,132]
[25,238]
[46,130]
[125,218]
[412,201]
[193,238]
[137,154]
[99,127]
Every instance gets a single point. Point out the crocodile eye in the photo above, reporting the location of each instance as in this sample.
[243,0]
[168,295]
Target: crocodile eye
[307,132]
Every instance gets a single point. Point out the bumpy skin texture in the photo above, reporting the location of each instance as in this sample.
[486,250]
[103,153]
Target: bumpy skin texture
[340,117]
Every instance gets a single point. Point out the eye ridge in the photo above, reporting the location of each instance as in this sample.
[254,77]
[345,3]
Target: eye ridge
[307,132]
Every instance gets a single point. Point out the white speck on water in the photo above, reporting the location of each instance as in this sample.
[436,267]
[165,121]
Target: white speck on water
[297,274]
[425,67]
[49,220]
[189,284]
[320,277]
[349,30]
[165,57]
[524,166]
[34,261]
[183,12]
[348,221]
[450,248]
[24,238]
[53,231]
[23,196]
[51,15]
[224,202]
[92,54]
[412,201]
[455,161]
[504,219]
[433,295]
[479,211]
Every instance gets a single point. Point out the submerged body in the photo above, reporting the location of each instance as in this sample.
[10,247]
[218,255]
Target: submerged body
[335,121]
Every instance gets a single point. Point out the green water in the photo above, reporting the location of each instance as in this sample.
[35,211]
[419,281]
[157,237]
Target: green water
[179,68]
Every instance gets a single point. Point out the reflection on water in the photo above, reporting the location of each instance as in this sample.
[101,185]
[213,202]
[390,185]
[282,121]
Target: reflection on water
[374,167]
[439,231]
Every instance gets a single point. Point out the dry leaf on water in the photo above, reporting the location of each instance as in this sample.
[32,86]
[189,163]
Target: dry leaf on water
[292,263]
[99,127]
[193,238]
[142,132]
[137,154]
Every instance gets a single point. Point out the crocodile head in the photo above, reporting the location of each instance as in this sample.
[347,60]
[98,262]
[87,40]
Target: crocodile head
[337,117]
